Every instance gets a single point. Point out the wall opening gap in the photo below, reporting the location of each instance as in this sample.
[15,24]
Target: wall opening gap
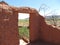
[23,27]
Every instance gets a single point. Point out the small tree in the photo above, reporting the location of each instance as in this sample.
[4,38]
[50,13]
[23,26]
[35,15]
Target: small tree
[43,8]
[54,19]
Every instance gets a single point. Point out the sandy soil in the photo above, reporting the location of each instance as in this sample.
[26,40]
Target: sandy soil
[22,42]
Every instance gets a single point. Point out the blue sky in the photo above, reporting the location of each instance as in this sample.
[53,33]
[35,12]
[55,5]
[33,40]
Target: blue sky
[53,5]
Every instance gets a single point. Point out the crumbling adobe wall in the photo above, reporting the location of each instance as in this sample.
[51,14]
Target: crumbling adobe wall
[9,28]
[39,30]
[48,33]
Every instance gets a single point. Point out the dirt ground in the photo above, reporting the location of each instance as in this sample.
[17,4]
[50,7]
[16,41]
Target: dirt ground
[22,42]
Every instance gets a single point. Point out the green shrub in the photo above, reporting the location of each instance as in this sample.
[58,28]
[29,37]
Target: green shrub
[24,31]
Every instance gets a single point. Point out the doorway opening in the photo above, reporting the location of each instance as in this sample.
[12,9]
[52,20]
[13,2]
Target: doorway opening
[23,26]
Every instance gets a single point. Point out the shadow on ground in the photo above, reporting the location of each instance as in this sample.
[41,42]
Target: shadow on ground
[41,43]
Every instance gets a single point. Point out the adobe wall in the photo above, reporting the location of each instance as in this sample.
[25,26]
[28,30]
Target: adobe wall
[9,28]
[48,33]
[39,30]
[33,22]
[34,27]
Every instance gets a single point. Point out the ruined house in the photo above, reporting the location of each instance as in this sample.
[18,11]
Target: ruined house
[39,30]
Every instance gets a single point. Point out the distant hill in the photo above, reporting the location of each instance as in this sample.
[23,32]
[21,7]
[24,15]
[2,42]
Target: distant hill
[53,16]
[23,22]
